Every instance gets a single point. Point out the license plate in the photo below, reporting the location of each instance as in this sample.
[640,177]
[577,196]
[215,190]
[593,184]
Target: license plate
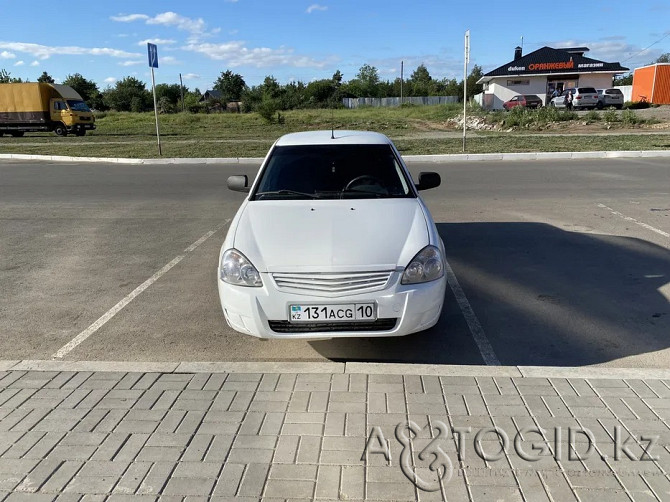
[333,313]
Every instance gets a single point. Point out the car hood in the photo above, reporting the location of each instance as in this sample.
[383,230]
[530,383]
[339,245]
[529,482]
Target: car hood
[331,235]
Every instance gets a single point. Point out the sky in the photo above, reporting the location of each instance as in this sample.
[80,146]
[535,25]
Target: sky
[296,40]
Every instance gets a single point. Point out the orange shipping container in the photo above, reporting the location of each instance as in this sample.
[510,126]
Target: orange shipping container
[652,83]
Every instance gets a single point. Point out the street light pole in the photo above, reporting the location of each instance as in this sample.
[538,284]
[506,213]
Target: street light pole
[466,60]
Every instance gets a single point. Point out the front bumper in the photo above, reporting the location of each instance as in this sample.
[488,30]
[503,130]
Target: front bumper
[254,310]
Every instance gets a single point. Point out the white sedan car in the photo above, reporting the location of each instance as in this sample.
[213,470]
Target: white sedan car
[333,240]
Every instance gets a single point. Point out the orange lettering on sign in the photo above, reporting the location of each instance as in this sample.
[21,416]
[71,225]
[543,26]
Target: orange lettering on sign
[567,65]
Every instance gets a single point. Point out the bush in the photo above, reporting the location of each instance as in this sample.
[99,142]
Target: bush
[629,117]
[592,116]
[268,109]
[610,116]
[636,105]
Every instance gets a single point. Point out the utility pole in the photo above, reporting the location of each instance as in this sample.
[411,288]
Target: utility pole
[402,63]
[181,89]
[466,60]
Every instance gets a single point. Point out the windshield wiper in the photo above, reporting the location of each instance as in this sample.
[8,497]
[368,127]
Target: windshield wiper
[365,192]
[288,192]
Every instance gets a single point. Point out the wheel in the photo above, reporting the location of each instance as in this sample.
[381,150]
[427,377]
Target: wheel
[81,132]
[60,130]
[600,105]
[552,104]
[17,134]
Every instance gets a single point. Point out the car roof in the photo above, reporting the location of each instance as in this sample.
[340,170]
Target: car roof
[340,138]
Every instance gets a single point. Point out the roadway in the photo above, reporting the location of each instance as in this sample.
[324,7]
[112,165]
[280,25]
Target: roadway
[562,263]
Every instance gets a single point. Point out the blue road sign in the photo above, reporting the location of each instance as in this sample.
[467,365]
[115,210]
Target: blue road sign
[153,55]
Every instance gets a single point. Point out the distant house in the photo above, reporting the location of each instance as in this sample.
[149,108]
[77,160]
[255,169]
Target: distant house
[210,95]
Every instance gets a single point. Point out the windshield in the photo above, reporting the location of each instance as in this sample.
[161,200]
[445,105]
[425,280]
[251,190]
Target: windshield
[332,172]
[78,106]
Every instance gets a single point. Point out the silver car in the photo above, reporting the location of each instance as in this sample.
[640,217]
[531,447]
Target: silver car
[582,98]
[610,97]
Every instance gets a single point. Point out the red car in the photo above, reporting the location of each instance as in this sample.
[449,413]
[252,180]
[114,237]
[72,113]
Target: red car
[527,101]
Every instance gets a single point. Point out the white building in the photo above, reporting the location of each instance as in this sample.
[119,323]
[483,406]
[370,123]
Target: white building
[542,72]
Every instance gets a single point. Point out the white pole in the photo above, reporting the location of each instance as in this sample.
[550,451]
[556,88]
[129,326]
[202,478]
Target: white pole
[465,81]
[158,134]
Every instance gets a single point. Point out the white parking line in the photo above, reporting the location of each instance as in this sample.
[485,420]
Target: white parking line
[72,344]
[628,218]
[485,348]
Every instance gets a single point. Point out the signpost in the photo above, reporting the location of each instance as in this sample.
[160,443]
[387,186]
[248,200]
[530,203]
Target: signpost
[465,80]
[152,51]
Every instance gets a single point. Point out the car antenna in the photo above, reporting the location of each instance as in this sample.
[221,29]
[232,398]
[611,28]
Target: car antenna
[332,124]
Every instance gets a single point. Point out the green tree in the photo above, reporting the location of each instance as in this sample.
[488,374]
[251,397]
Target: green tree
[129,94]
[231,85]
[473,87]
[368,79]
[624,80]
[45,78]
[663,58]
[87,89]
[421,83]
[6,78]
[171,93]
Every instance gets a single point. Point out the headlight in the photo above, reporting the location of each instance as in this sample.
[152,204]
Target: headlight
[236,269]
[426,266]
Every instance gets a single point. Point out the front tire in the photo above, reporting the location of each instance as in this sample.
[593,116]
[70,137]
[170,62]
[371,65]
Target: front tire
[17,134]
[81,132]
[60,130]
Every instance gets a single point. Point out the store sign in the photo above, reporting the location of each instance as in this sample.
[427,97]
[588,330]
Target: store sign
[564,65]
[567,65]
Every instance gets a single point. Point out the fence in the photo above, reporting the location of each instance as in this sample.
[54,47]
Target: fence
[382,102]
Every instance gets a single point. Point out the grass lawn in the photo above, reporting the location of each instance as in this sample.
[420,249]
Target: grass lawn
[415,130]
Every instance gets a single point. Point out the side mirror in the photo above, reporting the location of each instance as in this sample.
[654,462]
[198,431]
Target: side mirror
[239,183]
[428,180]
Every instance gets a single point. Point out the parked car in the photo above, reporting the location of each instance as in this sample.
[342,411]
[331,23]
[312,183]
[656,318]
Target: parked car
[333,240]
[610,97]
[583,98]
[525,100]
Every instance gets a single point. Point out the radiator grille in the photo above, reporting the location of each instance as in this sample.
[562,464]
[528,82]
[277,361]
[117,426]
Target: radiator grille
[336,284]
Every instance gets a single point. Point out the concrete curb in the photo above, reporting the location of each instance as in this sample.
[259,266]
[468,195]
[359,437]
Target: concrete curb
[432,369]
[480,157]
[585,372]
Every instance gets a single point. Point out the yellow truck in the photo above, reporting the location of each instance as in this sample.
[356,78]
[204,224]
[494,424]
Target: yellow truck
[31,107]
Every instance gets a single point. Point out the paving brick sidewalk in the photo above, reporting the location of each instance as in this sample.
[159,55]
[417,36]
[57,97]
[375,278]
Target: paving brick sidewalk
[97,436]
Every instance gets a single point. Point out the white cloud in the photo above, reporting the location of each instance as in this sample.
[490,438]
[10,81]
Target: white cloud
[169,60]
[196,27]
[45,51]
[131,62]
[190,76]
[19,63]
[315,7]
[236,54]
[181,22]
[110,80]
[129,18]
[35,63]
[7,55]
[156,41]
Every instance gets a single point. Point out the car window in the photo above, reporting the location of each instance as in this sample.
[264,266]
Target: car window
[587,90]
[613,91]
[332,172]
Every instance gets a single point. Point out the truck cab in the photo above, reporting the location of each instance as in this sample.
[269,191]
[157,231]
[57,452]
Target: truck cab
[70,114]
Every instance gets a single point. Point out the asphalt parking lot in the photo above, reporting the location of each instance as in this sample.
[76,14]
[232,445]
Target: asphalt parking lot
[562,263]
